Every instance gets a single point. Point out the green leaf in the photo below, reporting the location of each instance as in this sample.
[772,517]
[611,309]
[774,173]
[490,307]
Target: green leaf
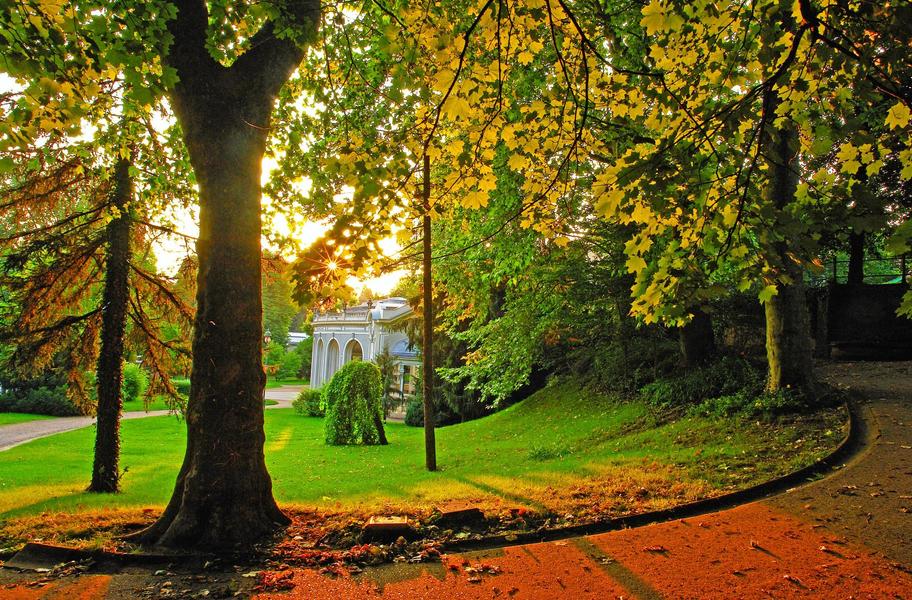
[767,293]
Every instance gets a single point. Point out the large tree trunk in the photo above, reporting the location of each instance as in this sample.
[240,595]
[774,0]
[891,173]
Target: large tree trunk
[109,369]
[223,496]
[696,340]
[788,339]
[427,343]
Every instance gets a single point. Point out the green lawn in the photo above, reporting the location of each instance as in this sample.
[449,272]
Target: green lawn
[539,453]
[274,383]
[271,382]
[158,403]
[13,418]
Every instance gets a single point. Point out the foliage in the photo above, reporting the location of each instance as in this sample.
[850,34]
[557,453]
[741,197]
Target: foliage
[40,400]
[353,403]
[309,403]
[278,307]
[304,350]
[290,365]
[727,377]
[134,383]
[182,386]
[387,368]
[414,413]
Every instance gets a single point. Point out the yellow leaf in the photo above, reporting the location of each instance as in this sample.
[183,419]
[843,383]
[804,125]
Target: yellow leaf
[635,264]
[517,162]
[475,199]
[525,57]
[847,152]
[653,17]
[898,116]
[488,182]
[443,80]
[456,107]
[608,202]
[851,167]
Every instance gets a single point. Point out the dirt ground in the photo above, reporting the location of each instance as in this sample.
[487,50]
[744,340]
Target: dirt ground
[844,536]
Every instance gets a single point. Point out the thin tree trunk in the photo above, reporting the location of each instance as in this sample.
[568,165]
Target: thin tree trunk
[381,431]
[788,341]
[696,340]
[856,258]
[427,346]
[109,369]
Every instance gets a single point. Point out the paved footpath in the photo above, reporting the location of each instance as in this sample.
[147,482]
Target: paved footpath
[846,536]
[20,433]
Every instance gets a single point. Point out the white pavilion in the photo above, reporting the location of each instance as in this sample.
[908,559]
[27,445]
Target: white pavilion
[361,333]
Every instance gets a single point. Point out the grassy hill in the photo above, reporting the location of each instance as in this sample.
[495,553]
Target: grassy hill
[563,450]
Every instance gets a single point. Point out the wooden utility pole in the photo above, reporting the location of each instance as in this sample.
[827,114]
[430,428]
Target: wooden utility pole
[427,345]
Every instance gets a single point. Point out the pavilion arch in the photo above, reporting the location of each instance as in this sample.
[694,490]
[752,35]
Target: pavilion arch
[321,360]
[332,359]
[353,351]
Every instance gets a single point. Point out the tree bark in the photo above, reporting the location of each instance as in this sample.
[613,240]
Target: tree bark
[223,496]
[381,431]
[109,369]
[427,349]
[789,349]
[856,258]
[696,340]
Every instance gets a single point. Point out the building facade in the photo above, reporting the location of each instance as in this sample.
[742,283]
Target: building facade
[363,332]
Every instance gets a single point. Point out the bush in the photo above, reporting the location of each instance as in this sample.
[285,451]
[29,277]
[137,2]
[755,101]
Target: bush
[39,401]
[289,366]
[728,376]
[414,414]
[764,405]
[354,409]
[309,403]
[134,382]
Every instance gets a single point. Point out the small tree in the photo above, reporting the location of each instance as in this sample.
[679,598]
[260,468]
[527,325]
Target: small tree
[354,408]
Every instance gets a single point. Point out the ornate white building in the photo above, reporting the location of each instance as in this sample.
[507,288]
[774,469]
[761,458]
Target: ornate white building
[361,333]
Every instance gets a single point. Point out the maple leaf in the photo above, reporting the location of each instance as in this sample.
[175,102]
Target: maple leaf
[898,116]
[653,17]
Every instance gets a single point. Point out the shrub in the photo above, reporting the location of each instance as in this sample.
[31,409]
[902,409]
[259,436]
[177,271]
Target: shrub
[726,377]
[764,405]
[134,382]
[289,366]
[43,400]
[354,409]
[309,403]
[414,414]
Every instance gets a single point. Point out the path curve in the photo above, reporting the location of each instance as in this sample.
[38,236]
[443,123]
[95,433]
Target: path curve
[20,433]
[845,535]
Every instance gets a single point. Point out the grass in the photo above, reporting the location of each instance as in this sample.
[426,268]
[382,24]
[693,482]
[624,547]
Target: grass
[271,382]
[274,383]
[562,450]
[159,403]
[13,418]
